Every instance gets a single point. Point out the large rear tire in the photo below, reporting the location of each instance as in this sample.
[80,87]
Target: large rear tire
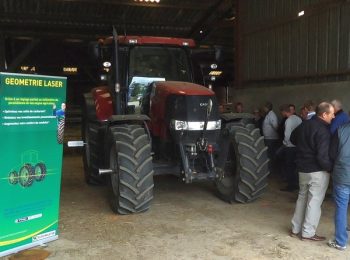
[246,166]
[90,135]
[60,130]
[131,183]
[26,175]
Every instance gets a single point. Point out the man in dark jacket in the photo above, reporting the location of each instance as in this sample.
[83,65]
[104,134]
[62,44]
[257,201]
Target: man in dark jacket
[340,154]
[312,140]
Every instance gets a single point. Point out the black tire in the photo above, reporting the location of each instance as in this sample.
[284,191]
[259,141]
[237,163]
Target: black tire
[26,175]
[39,171]
[131,184]
[13,177]
[246,166]
[60,130]
[90,134]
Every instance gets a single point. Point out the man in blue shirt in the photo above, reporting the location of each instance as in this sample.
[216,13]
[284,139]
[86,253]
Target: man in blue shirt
[340,153]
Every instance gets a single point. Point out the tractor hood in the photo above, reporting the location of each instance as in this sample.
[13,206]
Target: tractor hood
[182,88]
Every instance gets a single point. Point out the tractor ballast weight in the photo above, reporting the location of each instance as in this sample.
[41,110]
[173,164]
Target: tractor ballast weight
[180,130]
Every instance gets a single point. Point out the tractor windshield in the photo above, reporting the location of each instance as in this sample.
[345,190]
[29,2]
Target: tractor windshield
[159,62]
[148,64]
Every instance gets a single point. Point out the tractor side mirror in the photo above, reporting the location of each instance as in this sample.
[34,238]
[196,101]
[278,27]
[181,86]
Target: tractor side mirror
[209,107]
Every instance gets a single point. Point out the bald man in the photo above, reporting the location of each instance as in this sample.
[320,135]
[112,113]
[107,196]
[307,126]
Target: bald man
[340,118]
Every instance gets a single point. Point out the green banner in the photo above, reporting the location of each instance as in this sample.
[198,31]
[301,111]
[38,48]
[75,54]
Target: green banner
[32,112]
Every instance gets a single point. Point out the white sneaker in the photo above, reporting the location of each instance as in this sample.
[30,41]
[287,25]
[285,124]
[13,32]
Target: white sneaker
[333,243]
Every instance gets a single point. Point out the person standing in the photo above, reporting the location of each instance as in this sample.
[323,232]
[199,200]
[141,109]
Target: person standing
[289,149]
[259,116]
[340,116]
[312,139]
[309,109]
[292,109]
[239,107]
[340,154]
[270,128]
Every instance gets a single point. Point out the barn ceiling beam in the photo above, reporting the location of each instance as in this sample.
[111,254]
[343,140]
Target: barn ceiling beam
[205,17]
[89,32]
[2,53]
[194,6]
[22,55]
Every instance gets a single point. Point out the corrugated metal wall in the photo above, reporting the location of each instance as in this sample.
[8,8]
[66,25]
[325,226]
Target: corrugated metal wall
[279,45]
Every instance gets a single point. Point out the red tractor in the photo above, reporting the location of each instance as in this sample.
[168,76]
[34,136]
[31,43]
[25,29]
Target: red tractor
[151,118]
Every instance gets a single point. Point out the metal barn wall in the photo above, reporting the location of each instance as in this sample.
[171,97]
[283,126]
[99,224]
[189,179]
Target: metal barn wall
[278,46]
[255,96]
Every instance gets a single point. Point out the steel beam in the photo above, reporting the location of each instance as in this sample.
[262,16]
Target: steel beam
[22,55]
[238,44]
[2,54]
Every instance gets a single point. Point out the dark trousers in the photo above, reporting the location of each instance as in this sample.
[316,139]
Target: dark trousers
[272,146]
[289,167]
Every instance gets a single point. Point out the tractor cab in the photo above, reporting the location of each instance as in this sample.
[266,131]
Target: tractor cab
[143,60]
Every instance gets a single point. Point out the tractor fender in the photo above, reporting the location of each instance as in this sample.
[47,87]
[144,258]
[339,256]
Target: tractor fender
[116,120]
[89,107]
[125,118]
[229,117]
[103,102]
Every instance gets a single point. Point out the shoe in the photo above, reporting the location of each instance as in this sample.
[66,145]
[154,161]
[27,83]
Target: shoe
[289,188]
[333,243]
[293,234]
[313,238]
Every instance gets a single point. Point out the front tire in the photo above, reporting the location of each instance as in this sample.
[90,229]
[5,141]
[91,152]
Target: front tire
[246,166]
[39,171]
[13,177]
[131,183]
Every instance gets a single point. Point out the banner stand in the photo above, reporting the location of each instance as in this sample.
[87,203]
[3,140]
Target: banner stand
[32,120]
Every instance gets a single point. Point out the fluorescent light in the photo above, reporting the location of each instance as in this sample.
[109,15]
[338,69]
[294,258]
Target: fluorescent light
[147,1]
[301,13]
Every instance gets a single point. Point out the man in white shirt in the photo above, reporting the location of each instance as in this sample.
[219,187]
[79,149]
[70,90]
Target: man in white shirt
[288,164]
[270,127]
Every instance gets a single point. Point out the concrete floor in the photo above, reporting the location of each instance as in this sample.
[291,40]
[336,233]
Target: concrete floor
[184,222]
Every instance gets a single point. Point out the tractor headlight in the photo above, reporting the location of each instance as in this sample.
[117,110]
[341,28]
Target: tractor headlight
[179,125]
[214,125]
[197,126]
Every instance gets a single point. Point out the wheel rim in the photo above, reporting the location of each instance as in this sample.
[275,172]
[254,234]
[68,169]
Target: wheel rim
[25,175]
[38,171]
[13,178]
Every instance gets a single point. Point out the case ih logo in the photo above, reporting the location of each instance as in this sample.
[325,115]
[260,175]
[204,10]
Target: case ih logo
[203,104]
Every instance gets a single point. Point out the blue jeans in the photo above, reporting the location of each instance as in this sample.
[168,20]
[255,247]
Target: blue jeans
[341,194]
